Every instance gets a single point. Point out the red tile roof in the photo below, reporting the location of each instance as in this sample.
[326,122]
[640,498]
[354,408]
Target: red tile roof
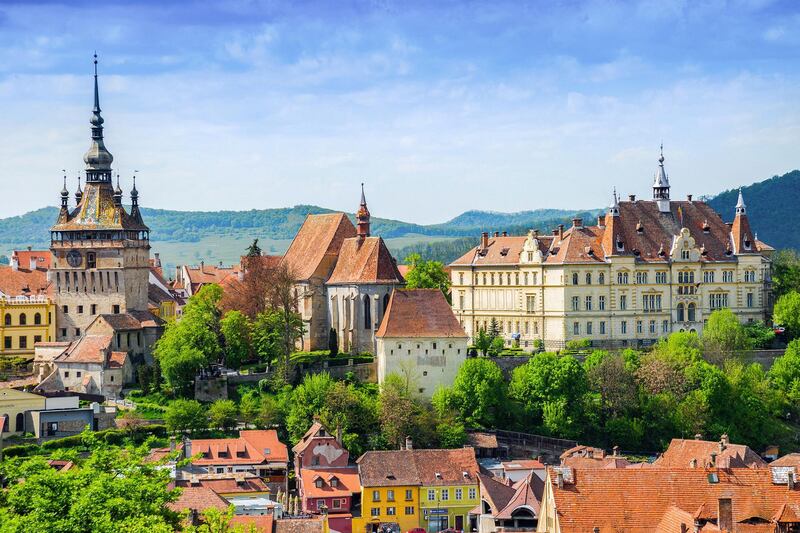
[638,500]
[419,313]
[315,524]
[23,282]
[87,349]
[240,483]
[523,464]
[790,459]
[365,260]
[251,447]
[418,467]
[528,495]
[480,439]
[254,524]
[199,499]
[681,452]
[204,274]
[348,483]
[43,258]
[496,493]
[315,248]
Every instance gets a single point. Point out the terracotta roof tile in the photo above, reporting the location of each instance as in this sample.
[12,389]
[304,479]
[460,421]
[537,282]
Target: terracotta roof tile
[365,260]
[319,237]
[23,282]
[480,439]
[790,459]
[254,446]
[418,467]
[528,494]
[419,313]
[231,484]
[314,524]
[681,452]
[638,500]
[87,349]
[348,483]
[43,258]
[204,274]
[496,493]
[308,437]
[254,524]
[198,499]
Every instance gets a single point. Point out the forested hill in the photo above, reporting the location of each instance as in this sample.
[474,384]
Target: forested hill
[773,207]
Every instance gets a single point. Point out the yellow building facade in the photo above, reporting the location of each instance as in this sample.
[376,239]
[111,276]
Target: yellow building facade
[447,506]
[14,404]
[25,321]
[388,505]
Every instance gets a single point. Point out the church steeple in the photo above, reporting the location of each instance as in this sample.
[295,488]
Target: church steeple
[362,217]
[64,195]
[98,159]
[613,209]
[741,209]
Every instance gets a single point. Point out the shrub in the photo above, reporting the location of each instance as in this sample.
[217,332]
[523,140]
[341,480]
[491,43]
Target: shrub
[65,442]
[578,345]
[20,450]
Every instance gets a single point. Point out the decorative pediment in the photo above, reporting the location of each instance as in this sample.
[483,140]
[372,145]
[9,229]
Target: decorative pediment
[684,247]
[530,249]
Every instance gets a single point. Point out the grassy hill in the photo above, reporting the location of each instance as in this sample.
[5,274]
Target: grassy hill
[214,236]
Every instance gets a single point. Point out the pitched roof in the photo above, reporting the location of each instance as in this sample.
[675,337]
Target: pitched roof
[203,274]
[366,260]
[528,494]
[522,464]
[87,349]
[252,446]
[231,484]
[23,282]
[132,320]
[480,439]
[43,258]
[198,498]
[254,523]
[681,452]
[790,459]
[419,313]
[348,483]
[319,237]
[98,211]
[496,493]
[637,500]
[308,437]
[418,467]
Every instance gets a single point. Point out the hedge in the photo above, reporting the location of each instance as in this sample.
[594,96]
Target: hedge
[65,442]
[20,450]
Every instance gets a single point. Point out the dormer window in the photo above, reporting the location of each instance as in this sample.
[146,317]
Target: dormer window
[747,243]
[706,227]
[334,482]
[639,228]
[620,245]
[318,483]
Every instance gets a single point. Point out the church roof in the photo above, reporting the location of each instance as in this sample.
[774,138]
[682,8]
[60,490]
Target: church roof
[98,211]
[316,246]
[365,260]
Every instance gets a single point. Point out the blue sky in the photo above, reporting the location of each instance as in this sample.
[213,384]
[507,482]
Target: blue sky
[439,107]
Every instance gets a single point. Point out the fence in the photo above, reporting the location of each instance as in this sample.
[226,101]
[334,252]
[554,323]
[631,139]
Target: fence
[539,442]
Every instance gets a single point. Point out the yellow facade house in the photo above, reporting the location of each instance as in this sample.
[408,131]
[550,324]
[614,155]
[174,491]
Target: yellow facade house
[27,312]
[13,406]
[407,489]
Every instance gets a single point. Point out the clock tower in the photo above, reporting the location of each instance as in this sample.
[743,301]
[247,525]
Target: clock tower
[100,251]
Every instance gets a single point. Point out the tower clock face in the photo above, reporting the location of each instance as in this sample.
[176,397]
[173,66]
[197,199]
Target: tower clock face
[74,258]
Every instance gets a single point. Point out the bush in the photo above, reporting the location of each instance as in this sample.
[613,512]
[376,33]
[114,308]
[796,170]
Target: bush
[20,450]
[578,345]
[65,442]
[112,436]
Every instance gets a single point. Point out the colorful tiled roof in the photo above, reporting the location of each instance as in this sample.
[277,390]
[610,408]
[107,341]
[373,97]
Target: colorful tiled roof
[314,524]
[480,439]
[418,467]
[319,238]
[790,459]
[254,524]
[366,260]
[97,211]
[419,313]
[198,498]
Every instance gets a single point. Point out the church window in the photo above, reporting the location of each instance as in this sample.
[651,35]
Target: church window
[37,318]
[367,313]
[91,260]
[23,319]
[116,280]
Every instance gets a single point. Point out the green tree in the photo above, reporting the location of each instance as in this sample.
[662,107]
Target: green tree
[235,328]
[250,407]
[254,250]
[483,342]
[424,274]
[724,334]
[478,393]
[785,372]
[307,401]
[193,342]
[397,412]
[223,414]
[787,313]
[497,345]
[785,272]
[494,328]
[266,336]
[185,415]
[113,489]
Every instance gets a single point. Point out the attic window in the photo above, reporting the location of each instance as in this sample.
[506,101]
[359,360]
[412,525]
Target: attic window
[504,252]
[620,245]
[334,482]
[267,451]
[390,476]
[438,475]
[636,252]
[639,227]
[318,483]
[706,227]
[747,243]
[713,477]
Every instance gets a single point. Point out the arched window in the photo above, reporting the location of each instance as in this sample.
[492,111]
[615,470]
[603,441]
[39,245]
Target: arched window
[691,312]
[680,313]
[23,319]
[367,313]
[575,278]
[20,425]
[7,319]
[37,318]
[588,278]
[601,278]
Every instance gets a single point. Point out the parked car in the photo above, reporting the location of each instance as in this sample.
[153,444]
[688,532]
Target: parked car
[779,330]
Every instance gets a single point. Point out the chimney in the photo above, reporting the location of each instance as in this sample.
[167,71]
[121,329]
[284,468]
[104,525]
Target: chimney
[790,480]
[713,458]
[684,528]
[560,480]
[484,240]
[157,260]
[409,443]
[555,232]
[724,439]
[615,451]
[721,446]
[496,233]
[601,221]
[698,436]
[689,197]
[577,222]
[725,515]
[540,459]
[14,261]
[561,231]
[632,197]
[693,463]
[32,263]
[202,265]
[505,234]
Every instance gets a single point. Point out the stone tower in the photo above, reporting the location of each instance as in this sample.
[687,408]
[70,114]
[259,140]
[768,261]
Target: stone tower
[100,251]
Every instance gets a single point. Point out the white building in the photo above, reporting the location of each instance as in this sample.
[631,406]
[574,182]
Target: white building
[420,338]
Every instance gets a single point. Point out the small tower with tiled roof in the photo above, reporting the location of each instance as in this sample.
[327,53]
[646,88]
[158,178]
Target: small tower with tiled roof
[741,234]
[100,252]
[661,185]
[362,217]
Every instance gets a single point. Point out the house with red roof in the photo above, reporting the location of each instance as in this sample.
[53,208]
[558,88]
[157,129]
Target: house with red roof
[419,334]
[258,452]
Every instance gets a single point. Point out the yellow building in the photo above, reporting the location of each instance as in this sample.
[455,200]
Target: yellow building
[407,489]
[27,313]
[13,405]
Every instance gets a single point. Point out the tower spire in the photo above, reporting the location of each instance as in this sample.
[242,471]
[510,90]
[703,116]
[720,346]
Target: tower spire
[98,159]
[79,192]
[661,184]
[613,209]
[741,208]
[362,217]
[65,193]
